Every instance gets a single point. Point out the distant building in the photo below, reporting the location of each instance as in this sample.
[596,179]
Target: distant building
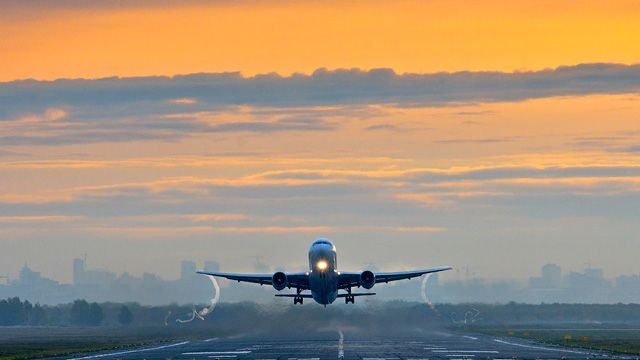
[628,288]
[547,287]
[78,271]
[81,276]
[187,270]
[552,276]
[33,279]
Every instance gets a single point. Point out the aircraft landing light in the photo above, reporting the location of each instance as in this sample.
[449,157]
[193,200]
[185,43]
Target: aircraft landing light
[322,265]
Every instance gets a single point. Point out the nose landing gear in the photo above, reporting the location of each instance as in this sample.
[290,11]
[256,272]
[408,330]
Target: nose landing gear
[349,298]
[298,299]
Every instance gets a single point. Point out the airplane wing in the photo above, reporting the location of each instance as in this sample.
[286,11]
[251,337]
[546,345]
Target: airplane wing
[299,280]
[349,279]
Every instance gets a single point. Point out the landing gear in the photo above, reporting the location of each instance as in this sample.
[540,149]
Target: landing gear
[349,298]
[298,299]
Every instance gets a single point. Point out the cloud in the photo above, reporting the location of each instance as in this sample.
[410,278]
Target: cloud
[216,217]
[184,101]
[72,111]
[633,149]
[474,113]
[35,9]
[338,196]
[383,127]
[108,4]
[477,141]
[285,124]
[55,127]
[323,87]
[30,219]
[8,153]
[162,230]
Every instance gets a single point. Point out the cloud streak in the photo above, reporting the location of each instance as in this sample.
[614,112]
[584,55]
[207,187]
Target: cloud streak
[77,111]
[247,198]
[323,87]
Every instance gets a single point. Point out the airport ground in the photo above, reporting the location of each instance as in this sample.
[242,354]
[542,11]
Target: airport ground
[29,342]
[615,338]
[384,331]
[440,343]
[432,344]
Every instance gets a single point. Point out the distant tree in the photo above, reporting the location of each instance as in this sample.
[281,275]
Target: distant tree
[17,314]
[38,316]
[79,314]
[125,317]
[96,315]
[4,312]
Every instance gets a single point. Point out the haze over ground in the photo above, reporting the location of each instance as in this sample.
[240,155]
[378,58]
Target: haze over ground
[534,162]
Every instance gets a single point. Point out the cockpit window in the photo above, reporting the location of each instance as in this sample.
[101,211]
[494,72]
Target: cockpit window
[322,242]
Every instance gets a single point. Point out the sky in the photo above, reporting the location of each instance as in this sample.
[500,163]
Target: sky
[496,136]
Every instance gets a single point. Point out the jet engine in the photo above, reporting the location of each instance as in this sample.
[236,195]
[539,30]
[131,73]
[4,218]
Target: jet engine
[367,279]
[279,280]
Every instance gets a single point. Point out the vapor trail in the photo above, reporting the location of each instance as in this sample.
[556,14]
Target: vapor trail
[471,316]
[423,287]
[207,310]
[341,345]
[193,316]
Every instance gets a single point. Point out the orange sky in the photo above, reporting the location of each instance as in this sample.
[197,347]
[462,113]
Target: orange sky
[543,166]
[254,38]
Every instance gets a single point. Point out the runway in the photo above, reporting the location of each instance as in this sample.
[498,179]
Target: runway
[436,346]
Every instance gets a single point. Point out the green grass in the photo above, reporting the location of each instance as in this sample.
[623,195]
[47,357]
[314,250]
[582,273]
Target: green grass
[619,340]
[20,343]
[21,351]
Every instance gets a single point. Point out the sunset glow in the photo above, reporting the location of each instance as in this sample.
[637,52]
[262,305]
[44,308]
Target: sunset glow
[186,128]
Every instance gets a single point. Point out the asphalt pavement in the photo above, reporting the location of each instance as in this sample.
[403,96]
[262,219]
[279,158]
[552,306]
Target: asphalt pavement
[433,346]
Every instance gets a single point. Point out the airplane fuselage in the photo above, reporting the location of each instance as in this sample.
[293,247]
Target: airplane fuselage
[323,272]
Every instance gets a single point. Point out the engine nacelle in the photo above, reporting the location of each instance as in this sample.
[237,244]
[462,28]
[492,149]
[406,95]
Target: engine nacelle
[279,280]
[367,279]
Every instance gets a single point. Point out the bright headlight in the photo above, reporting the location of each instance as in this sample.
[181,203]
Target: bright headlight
[322,265]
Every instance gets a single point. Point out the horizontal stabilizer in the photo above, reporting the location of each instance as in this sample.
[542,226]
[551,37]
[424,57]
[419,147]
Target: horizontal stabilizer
[361,294]
[306,296]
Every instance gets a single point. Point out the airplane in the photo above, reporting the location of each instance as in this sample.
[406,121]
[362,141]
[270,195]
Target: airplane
[323,279]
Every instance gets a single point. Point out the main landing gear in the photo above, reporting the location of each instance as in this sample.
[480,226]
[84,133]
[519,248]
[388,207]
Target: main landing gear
[349,298]
[298,299]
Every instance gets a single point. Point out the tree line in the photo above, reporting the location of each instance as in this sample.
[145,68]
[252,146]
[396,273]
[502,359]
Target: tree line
[14,311]
[247,316]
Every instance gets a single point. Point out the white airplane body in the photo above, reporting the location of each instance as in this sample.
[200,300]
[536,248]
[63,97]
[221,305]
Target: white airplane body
[323,279]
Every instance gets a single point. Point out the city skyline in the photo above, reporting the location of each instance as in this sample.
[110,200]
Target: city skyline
[551,285]
[260,264]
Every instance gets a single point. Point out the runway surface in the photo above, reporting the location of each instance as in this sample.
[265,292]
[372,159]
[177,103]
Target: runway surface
[434,346]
